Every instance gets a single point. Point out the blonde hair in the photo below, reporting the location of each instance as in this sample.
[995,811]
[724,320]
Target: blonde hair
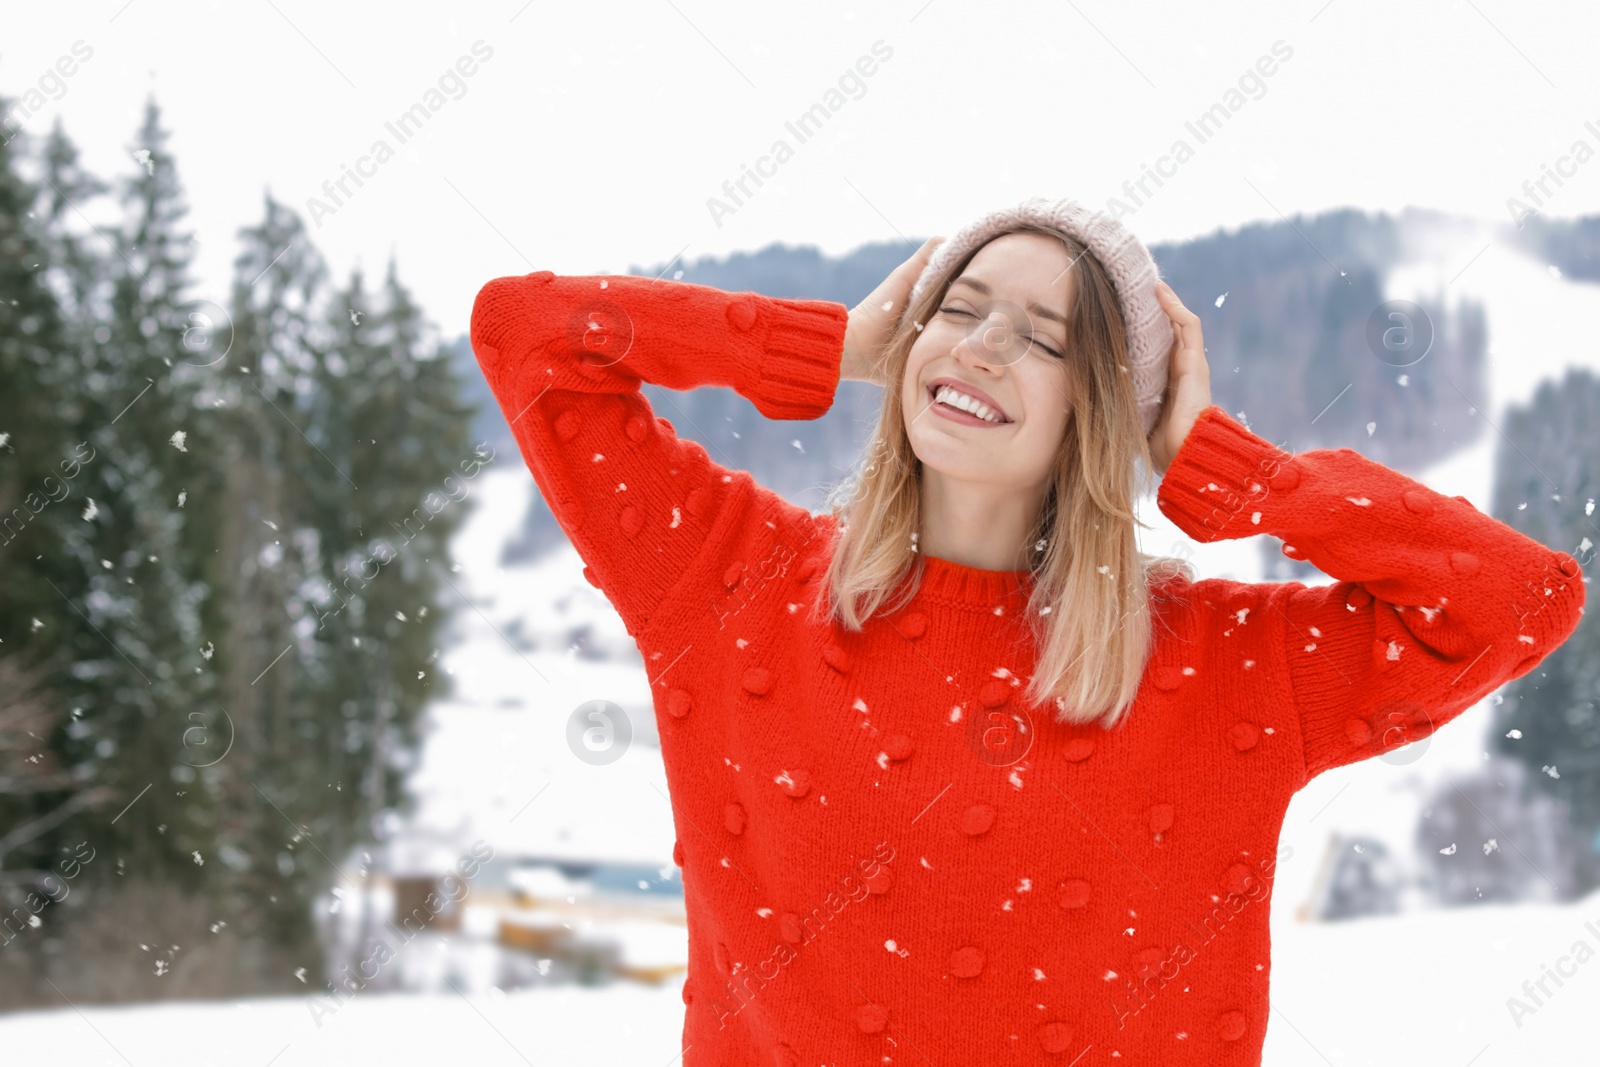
[1090,654]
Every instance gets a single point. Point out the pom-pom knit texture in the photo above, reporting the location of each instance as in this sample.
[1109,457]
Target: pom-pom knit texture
[887,857]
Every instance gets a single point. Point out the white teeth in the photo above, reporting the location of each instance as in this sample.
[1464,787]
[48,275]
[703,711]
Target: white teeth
[947,395]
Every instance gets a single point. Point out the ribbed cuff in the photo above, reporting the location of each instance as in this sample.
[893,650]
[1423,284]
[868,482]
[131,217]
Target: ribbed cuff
[1219,469]
[797,373]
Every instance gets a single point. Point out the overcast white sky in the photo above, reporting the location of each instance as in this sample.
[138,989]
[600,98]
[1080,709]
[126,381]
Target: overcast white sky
[593,136]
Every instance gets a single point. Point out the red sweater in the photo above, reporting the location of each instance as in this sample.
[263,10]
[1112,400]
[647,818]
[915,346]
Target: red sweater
[865,882]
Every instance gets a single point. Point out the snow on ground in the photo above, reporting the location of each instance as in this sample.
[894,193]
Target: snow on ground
[1426,988]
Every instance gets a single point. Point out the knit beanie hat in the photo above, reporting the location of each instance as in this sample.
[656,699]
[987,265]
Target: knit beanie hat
[1126,261]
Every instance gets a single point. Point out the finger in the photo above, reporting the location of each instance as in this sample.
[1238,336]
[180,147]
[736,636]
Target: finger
[1174,307]
[907,273]
[1187,334]
[898,284]
[917,260]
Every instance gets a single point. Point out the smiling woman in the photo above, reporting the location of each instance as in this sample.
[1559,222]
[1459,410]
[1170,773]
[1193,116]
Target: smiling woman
[1095,747]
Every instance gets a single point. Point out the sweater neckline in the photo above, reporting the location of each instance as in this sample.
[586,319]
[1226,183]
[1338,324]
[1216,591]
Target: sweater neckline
[952,582]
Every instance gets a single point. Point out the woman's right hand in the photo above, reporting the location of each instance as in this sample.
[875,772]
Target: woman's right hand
[873,320]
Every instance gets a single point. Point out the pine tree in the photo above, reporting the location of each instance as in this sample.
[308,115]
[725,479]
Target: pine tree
[41,472]
[389,395]
[263,632]
[419,426]
[146,593]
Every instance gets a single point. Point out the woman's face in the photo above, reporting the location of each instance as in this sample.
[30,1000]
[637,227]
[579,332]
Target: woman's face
[1000,331]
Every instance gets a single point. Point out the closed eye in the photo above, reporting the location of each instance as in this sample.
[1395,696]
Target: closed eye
[1035,340]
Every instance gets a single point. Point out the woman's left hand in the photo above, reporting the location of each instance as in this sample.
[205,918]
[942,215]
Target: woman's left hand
[1188,381]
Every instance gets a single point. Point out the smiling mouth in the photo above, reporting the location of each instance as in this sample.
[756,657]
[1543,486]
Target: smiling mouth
[964,415]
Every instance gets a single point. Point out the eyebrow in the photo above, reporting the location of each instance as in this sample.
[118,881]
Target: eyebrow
[1037,309]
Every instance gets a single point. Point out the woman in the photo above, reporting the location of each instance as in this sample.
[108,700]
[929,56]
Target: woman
[958,775]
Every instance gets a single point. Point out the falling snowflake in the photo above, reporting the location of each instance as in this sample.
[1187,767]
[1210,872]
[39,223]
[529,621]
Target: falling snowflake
[92,510]
[183,495]
[1550,769]
[1491,845]
[1451,851]
[1515,735]
[1223,297]
[177,440]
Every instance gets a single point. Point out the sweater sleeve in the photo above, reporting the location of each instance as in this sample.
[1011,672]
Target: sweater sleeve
[564,357]
[1434,606]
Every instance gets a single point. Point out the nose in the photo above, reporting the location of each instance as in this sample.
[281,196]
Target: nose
[991,343]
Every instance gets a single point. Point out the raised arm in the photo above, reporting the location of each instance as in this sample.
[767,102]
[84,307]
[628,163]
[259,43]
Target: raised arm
[1435,604]
[564,356]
